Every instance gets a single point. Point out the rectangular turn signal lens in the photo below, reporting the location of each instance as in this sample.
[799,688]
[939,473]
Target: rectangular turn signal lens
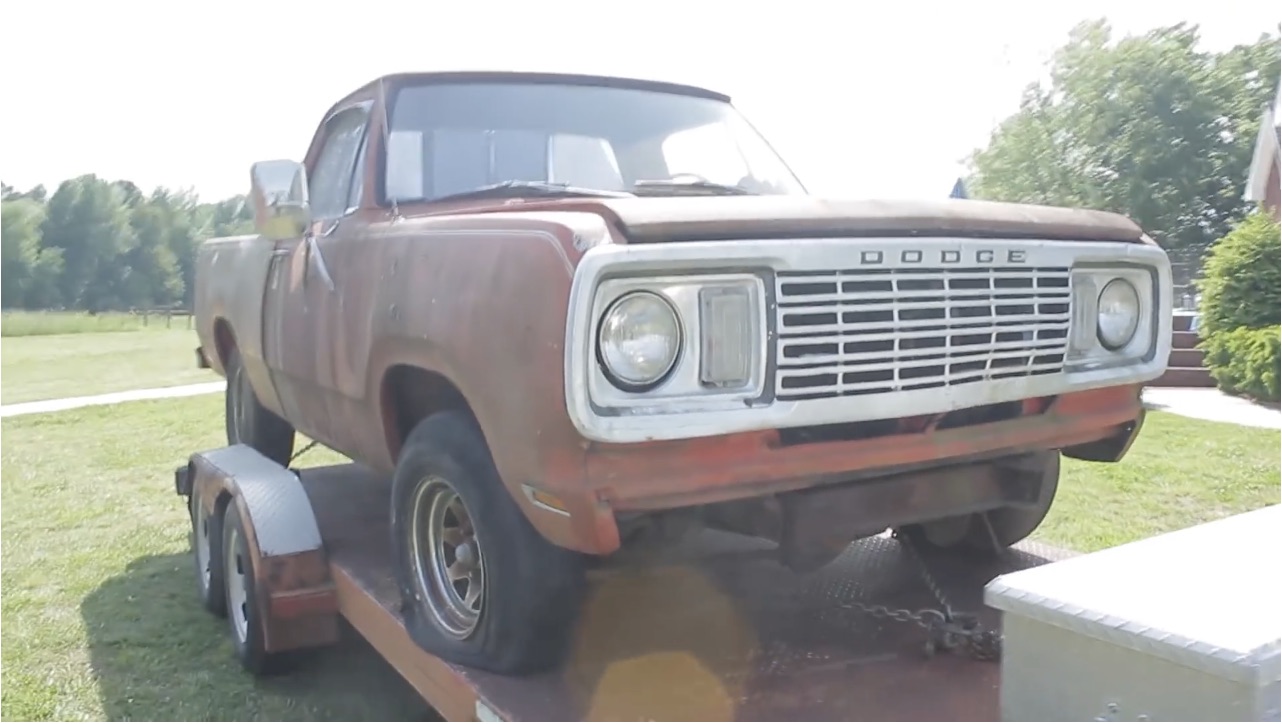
[728,330]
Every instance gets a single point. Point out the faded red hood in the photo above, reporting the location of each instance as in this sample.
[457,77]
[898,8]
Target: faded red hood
[646,220]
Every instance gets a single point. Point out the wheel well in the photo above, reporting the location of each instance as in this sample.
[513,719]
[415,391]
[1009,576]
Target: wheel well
[410,394]
[224,340]
[221,503]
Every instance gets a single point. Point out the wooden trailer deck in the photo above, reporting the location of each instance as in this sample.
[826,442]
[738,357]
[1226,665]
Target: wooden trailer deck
[711,629]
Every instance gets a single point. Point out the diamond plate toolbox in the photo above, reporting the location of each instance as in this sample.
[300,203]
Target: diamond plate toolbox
[1183,626]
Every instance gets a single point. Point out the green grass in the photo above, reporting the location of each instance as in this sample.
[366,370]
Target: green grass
[1179,472]
[48,367]
[98,604]
[99,599]
[22,323]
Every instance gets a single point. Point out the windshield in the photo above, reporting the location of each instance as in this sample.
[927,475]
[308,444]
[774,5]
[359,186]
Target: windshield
[452,138]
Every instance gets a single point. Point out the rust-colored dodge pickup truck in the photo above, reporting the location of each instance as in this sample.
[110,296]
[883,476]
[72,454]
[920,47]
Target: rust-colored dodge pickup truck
[570,314]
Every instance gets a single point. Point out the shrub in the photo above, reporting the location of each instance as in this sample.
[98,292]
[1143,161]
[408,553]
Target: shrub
[1242,280]
[1245,361]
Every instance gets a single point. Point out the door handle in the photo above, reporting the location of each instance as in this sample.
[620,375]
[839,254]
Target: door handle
[276,253]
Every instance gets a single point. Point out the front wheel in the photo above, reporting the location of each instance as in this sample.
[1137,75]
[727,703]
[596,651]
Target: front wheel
[480,586]
[248,422]
[999,529]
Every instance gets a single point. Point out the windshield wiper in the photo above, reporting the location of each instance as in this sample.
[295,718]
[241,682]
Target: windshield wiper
[662,187]
[535,189]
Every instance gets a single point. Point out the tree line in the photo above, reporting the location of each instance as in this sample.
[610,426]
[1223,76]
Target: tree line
[101,245]
[1149,126]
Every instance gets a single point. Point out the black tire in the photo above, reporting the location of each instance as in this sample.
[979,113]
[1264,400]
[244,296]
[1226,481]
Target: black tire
[1004,526]
[243,618]
[248,422]
[530,590]
[207,557]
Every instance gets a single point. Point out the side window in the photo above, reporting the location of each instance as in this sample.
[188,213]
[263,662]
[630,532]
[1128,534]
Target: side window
[358,175]
[330,182]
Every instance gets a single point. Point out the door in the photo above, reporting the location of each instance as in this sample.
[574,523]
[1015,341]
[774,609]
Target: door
[303,291]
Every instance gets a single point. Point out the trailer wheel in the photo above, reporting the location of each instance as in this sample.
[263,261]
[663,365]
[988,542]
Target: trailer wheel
[1009,525]
[244,619]
[207,554]
[248,422]
[480,586]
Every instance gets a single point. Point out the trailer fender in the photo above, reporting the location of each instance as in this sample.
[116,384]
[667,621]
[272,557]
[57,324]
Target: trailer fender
[300,605]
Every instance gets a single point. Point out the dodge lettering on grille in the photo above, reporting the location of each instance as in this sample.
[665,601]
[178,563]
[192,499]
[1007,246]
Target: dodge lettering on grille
[876,257]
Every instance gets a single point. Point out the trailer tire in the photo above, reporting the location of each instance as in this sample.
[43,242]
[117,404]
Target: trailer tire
[1009,525]
[248,422]
[530,590]
[207,555]
[243,607]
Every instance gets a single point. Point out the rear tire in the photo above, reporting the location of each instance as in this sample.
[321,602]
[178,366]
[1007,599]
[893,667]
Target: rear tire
[243,607]
[207,554]
[1009,525]
[480,586]
[248,422]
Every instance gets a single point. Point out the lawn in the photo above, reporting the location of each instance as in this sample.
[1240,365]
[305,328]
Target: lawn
[99,599]
[45,367]
[22,323]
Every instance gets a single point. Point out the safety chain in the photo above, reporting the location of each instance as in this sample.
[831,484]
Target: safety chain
[947,630]
[300,453]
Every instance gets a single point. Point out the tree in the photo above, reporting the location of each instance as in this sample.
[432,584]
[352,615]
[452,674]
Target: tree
[88,220]
[1148,126]
[130,193]
[37,193]
[152,270]
[28,272]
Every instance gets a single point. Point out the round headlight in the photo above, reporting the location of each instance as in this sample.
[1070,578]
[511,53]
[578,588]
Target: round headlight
[1119,314]
[639,340]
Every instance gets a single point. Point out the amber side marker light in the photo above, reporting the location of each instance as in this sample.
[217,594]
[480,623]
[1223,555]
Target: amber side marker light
[544,499]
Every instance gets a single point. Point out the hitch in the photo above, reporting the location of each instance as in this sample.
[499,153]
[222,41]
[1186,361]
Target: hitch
[182,481]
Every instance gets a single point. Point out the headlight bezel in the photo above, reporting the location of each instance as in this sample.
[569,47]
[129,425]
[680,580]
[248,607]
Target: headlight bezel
[1086,351]
[681,386]
[613,374]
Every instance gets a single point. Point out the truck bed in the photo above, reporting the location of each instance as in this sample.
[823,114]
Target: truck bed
[712,628]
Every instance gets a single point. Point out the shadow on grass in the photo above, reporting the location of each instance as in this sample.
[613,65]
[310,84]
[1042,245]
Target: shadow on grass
[157,655]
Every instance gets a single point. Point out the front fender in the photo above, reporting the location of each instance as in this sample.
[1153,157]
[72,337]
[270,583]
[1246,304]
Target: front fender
[482,301]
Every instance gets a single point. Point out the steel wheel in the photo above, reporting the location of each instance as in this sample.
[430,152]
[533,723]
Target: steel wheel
[240,406]
[449,569]
[208,555]
[237,595]
[204,550]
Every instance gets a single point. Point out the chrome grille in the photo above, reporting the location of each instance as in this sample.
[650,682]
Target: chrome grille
[863,332]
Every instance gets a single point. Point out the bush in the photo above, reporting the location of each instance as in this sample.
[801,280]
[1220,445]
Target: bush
[1242,281]
[1242,307]
[1245,361]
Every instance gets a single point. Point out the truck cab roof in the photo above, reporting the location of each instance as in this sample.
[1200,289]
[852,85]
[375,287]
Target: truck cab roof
[510,76]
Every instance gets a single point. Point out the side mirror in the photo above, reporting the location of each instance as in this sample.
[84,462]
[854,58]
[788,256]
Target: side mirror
[279,194]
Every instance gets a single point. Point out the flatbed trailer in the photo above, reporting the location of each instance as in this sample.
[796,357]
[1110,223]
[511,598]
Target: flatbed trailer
[713,628]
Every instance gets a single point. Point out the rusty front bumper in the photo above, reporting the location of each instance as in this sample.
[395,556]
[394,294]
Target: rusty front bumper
[1094,425]
[671,475]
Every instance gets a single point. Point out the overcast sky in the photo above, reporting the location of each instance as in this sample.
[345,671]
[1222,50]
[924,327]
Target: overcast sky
[862,99]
